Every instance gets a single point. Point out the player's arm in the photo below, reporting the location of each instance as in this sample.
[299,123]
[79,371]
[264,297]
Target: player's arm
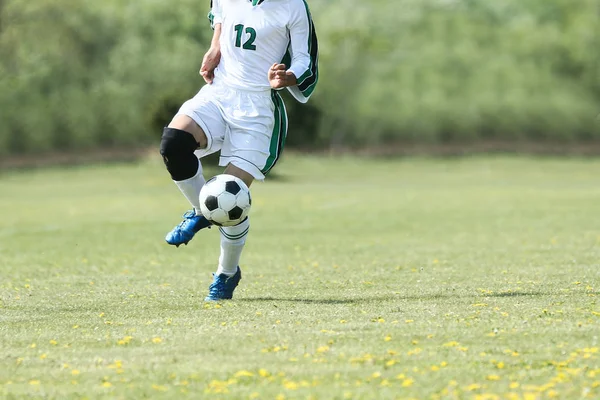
[302,75]
[213,55]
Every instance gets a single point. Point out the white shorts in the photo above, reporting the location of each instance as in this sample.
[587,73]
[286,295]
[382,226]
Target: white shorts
[249,128]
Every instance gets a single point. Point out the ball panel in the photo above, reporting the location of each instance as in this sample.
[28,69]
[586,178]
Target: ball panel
[229,178]
[235,213]
[226,201]
[212,188]
[243,200]
[216,188]
[219,216]
[232,187]
[211,203]
[245,213]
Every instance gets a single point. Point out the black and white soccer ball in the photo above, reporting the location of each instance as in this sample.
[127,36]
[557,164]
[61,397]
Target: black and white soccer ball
[225,200]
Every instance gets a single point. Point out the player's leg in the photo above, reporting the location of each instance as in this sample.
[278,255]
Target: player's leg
[233,239]
[248,153]
[180,140]
[196,130]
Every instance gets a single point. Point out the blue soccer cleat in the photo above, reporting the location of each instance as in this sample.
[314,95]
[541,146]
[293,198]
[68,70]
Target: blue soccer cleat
[223,286]
[185,231]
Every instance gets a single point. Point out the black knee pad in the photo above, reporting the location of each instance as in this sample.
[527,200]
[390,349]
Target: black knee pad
[177,149]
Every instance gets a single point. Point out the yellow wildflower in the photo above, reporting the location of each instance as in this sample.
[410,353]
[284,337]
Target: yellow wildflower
[290,385]
[323,349]
[407,382]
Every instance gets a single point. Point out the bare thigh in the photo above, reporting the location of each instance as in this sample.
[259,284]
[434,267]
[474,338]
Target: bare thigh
[185,123]
[239,173]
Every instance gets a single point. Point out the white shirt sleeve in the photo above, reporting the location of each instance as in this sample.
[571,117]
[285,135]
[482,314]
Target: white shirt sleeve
[215,16]
[304,51]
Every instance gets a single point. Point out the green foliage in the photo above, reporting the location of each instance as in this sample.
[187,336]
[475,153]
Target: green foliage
[77,74]
[99,74]
[439,71]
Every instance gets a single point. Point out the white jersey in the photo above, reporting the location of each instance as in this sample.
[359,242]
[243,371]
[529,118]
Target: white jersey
[255,34]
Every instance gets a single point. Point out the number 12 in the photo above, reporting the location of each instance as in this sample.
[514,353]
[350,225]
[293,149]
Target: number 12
[249,44]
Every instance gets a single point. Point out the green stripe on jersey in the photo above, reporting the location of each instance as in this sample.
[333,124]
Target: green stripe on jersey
[308,72]
[287,58]
[279,132]
[308,80]
[211,19]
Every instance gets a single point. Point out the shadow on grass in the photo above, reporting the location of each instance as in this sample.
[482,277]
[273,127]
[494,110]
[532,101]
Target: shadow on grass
[318,301]
[441,296]
[356,300]
[519,294]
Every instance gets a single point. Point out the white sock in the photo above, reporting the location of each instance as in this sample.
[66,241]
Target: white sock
[233,239]
[191,188]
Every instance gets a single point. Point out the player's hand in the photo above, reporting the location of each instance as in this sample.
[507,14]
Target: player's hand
[279,77]
[209,63]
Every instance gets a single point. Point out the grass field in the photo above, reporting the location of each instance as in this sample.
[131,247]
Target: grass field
[469,278]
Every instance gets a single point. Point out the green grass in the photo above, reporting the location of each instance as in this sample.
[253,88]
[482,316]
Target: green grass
[418,278]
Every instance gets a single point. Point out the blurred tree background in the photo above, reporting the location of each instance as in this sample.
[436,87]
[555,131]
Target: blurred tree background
[82,74]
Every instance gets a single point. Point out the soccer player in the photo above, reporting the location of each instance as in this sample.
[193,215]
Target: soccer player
[258,47]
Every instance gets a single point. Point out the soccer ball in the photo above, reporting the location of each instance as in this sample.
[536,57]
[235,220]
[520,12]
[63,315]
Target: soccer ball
[225,200]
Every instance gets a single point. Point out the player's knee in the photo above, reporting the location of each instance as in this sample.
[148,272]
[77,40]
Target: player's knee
[187,124]
[176,142]
[177,149]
